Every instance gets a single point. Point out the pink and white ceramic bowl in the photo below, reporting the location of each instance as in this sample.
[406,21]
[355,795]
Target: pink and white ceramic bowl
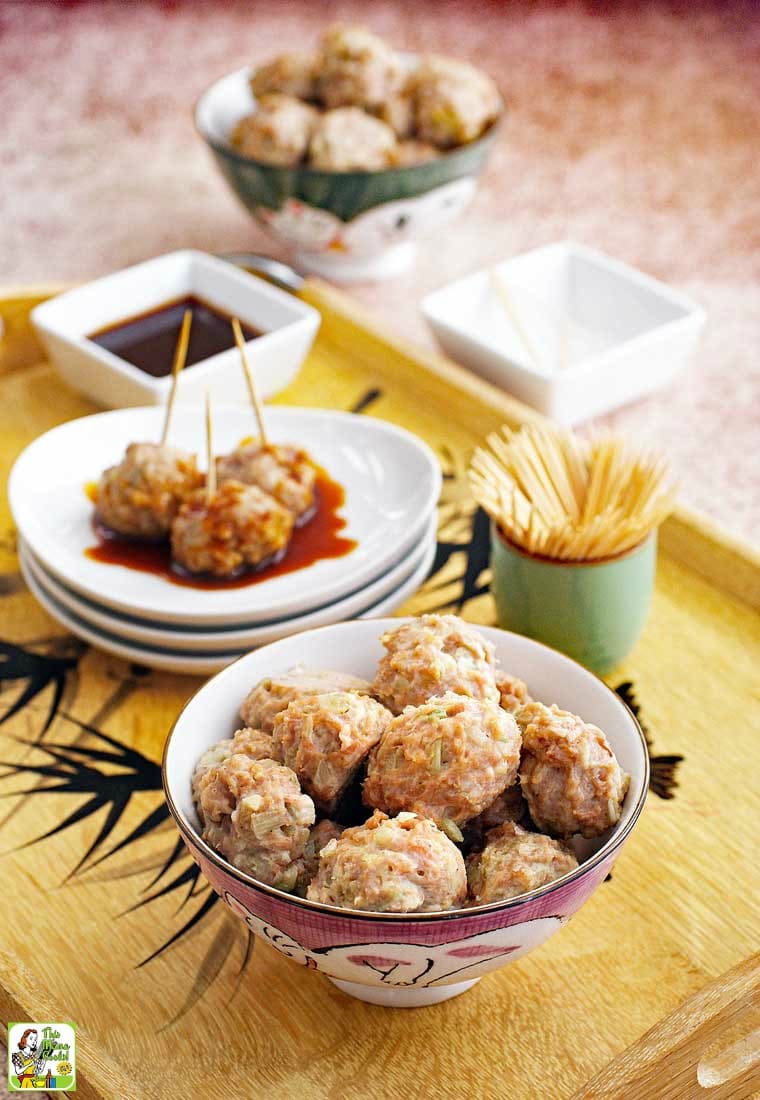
[402,960]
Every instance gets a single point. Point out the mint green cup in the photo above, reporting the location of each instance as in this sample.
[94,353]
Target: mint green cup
[593,611]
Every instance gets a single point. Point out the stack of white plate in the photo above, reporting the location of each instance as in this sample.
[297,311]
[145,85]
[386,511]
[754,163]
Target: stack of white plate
[391,482]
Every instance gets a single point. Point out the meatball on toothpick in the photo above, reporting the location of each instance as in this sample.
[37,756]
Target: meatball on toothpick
[142,494]
[569,775]
[223,530]
[284,472]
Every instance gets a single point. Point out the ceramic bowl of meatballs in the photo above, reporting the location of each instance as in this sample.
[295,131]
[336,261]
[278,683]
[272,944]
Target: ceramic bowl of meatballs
[131,544]
[405,804]
[352,151]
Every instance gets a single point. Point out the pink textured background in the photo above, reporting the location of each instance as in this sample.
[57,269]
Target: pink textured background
[635,130]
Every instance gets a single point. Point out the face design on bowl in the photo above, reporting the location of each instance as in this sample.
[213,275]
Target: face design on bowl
[406,965]
[406,219]
[389,223]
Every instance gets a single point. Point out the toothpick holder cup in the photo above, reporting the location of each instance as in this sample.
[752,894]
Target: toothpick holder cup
[594,611]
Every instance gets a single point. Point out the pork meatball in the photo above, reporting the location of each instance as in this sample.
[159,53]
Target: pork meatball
[398,112]
[215,754]
[257,817]
[265,701]
[325,738]
[447,760]
[411,152]
[515,862]
[570,776]
[250,742]
[278,132]
[430,656]
[254,743]
[349,140]
[356,68]
[510,805]
[321,834]
[513,693]
[292,74]
[285,472]
[242,526]
[141,496]
[455,102]
[391,865]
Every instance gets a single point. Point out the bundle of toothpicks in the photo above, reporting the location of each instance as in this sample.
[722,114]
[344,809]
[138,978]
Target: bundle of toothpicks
[560,497]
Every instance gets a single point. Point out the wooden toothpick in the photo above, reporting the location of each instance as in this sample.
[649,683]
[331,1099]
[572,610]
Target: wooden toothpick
[508,305]
[180,355]
[249,377]
[211,471]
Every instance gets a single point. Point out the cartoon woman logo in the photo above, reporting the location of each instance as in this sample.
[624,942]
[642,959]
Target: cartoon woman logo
[26,1062]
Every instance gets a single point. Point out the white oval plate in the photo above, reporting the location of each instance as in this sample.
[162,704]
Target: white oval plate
[172,660]
[227,640]
[391,478]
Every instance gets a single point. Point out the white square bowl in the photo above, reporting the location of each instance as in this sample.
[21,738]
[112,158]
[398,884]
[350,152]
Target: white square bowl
[63,324]
[591,333]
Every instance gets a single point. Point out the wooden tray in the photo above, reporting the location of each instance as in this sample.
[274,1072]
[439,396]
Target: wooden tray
[106,923]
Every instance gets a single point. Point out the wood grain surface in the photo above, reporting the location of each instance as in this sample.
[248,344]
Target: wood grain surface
[211,1014]
[708,1047]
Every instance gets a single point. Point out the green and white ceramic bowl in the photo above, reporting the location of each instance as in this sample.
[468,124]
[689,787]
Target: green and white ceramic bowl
[594,611]
[343,225]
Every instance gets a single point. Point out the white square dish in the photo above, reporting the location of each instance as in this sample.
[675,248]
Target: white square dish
[566,329]
[63,324]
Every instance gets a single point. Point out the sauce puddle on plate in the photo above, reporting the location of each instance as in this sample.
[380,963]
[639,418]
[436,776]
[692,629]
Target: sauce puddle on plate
[316,540]
[148,340]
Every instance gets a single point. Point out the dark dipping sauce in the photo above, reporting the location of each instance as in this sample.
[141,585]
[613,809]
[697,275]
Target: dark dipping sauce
[148,340]
[315,540]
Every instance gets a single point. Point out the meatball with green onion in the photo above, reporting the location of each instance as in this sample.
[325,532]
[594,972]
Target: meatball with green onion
[446,760]
[256,815]
[325,738]
[515,861]
[141,496]
[266,699]
[391,865]
[432,655]
[238,528]
[569,775]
